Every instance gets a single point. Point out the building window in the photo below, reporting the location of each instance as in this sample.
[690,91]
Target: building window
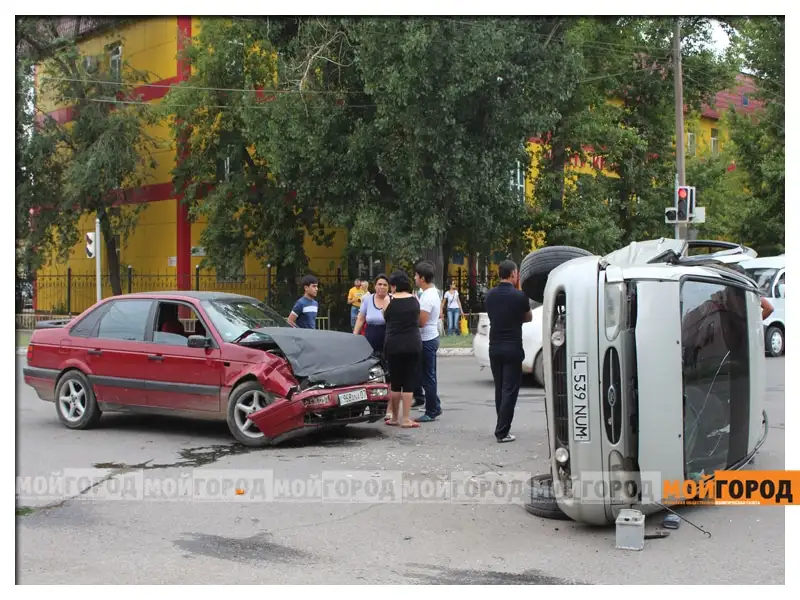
[745,100]
[714,142]
[691,143]
[115,62]
[517,183]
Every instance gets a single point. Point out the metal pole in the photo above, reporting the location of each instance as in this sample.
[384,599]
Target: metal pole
[680,150]
[69,291]
[675,204]
[97,259]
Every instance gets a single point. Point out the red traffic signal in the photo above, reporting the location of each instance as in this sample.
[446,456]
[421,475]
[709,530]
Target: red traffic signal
[683,193]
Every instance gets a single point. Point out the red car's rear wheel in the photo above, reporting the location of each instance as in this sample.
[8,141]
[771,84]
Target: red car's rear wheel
[75,401]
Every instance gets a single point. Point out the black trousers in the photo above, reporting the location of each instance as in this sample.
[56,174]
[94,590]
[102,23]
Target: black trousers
[507,374]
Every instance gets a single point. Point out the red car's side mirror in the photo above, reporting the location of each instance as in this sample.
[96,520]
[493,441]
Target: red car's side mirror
[198,341]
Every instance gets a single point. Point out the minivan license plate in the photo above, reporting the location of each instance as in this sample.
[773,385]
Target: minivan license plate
[352,397]
[580,398]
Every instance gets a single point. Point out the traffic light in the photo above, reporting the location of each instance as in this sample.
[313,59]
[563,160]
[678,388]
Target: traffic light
[683,204]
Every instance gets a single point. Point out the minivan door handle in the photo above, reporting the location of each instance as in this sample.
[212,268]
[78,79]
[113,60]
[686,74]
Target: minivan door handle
[157,357]
[95,353]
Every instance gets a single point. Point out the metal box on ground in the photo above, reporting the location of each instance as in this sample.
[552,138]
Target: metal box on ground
[630,530]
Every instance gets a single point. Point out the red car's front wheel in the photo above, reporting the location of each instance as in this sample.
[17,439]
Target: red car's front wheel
[246,399]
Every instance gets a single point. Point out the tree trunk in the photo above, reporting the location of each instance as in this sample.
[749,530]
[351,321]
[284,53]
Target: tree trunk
[447,252]
[112,260]
[436,256]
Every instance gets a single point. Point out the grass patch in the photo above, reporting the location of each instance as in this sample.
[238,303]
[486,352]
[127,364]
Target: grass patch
[23,338]
[456,341]
[23,511]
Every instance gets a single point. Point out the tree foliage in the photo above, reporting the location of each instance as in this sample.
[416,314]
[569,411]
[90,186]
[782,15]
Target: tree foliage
[81,167]
[629,60]
[404,132]
[760,140]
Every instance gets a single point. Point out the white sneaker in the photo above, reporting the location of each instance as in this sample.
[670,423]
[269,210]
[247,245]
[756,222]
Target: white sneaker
[508,438]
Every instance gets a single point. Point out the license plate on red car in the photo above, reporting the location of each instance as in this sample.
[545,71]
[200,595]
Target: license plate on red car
[352,397]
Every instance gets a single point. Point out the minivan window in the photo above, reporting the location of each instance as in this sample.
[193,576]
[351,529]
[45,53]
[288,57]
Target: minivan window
[126,320]
[716,376]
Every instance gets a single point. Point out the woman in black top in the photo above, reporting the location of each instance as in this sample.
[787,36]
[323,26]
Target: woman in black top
[402,347]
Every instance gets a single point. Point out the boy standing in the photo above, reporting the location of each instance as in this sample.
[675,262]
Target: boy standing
[429,312]
[304,313]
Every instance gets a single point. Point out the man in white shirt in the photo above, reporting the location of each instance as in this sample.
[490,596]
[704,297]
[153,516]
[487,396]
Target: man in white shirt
[429,314]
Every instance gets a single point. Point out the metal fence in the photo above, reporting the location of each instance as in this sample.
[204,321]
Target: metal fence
[70,294]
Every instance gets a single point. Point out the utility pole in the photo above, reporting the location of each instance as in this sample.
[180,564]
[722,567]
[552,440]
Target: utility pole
[681,229]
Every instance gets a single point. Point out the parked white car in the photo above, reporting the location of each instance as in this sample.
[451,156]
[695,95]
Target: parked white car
[531,343]
[655,370]
[769,273]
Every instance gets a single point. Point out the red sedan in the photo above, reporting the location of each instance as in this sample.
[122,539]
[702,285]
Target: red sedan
[207,355]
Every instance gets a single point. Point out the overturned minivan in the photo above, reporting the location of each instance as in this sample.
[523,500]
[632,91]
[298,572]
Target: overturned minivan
[654,371]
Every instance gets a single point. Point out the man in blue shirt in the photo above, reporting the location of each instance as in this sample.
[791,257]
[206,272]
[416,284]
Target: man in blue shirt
[304,313]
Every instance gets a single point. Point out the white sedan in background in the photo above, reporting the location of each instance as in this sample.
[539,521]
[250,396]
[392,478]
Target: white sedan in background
[531,343]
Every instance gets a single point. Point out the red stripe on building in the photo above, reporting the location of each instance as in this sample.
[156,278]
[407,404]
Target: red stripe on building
[142,93]
[147,193]
[183,233]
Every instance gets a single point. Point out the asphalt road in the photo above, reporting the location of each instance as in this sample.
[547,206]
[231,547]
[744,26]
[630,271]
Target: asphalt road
[84,540]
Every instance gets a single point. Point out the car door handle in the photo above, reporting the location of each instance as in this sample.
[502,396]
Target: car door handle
[157,357]
[95,353]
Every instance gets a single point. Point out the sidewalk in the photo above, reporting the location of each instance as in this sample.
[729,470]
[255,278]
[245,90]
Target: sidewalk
[23,336]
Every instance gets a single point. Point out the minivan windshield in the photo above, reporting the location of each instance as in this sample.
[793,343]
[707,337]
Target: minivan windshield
[763,278]
[716,376]
[232,318]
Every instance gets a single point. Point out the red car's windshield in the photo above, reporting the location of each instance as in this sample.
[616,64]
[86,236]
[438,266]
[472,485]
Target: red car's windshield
[233,317]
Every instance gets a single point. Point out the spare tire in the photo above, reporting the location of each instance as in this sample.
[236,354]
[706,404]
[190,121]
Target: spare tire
[537,266]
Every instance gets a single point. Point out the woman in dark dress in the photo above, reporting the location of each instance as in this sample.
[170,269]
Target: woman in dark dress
[402,347]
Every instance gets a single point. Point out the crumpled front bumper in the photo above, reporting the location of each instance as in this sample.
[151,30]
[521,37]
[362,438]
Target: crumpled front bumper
[311,410]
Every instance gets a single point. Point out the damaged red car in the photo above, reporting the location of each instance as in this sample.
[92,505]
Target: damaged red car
[205,355]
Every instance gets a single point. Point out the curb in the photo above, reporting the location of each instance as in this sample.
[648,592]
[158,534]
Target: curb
[22,351]
[455,352]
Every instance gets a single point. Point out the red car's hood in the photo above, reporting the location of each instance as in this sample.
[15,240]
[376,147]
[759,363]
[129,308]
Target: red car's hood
[327,357]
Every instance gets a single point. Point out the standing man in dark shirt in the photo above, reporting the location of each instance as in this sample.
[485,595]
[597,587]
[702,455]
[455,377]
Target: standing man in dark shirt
[508,309]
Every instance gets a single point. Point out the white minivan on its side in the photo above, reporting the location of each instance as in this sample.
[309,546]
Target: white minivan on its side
[769,273]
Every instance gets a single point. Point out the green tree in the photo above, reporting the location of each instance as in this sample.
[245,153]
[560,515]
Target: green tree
[760,139]
[83,168]
[629,59]
[404,132]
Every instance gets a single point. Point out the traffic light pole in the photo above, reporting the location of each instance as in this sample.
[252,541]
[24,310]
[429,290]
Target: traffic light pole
[97,259]
[681,229]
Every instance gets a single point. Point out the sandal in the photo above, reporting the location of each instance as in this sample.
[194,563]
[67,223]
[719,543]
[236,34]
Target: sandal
[413,425]
[391,423]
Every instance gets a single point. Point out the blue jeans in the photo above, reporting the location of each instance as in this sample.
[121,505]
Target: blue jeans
[427,373]
[452,321]
[353,317]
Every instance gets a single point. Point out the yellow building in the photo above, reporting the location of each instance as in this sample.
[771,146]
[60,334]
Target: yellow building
[164,250]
